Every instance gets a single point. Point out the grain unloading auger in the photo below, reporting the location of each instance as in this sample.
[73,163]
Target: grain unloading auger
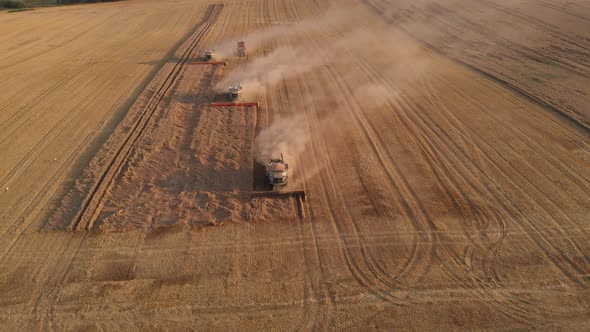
[277,176]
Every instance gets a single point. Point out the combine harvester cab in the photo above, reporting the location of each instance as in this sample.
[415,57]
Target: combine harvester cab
[208,55]
[234,92]
[242,48]
[276,170]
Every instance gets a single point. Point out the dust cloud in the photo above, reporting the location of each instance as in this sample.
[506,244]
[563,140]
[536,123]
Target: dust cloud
[351,43]
[288,136]
[334,16]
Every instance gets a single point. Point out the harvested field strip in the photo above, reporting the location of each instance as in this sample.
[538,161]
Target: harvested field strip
[84,219]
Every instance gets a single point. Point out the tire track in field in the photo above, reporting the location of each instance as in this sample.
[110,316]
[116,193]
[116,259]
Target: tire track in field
[432,151]
[576,178]
[489,267]
[571,270]
[464,262]
[423,227]
[306,219]
[550,120]
[575,122]
[546,27]
[273,102]
[563,10]
[315,294]
[546,314]
[557,226]
[380,282]
[84,219]
[326,184]
[310,293]
[204,82]
[576,189]
[442,156]
[518,303]
[327,317]
[459,264]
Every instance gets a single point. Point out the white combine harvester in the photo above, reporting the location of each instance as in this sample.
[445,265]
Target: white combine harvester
[276,170]
[276,174]
[208,55]
[208,59]
[234,92]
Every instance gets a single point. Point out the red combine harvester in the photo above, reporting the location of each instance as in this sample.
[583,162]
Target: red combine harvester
[242,48]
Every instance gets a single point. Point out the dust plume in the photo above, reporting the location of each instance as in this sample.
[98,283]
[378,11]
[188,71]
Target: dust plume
[288,136]
[291,136]
[334,15]
[282,63]
[357,46]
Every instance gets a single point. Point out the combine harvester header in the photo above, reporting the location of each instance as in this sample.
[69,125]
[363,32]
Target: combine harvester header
[225,104]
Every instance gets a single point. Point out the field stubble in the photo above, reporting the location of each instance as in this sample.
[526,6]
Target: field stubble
[437,198]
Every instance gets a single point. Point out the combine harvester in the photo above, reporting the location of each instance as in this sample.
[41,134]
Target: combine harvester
[242,48]
[276,173]
[234,92]
[208,57]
